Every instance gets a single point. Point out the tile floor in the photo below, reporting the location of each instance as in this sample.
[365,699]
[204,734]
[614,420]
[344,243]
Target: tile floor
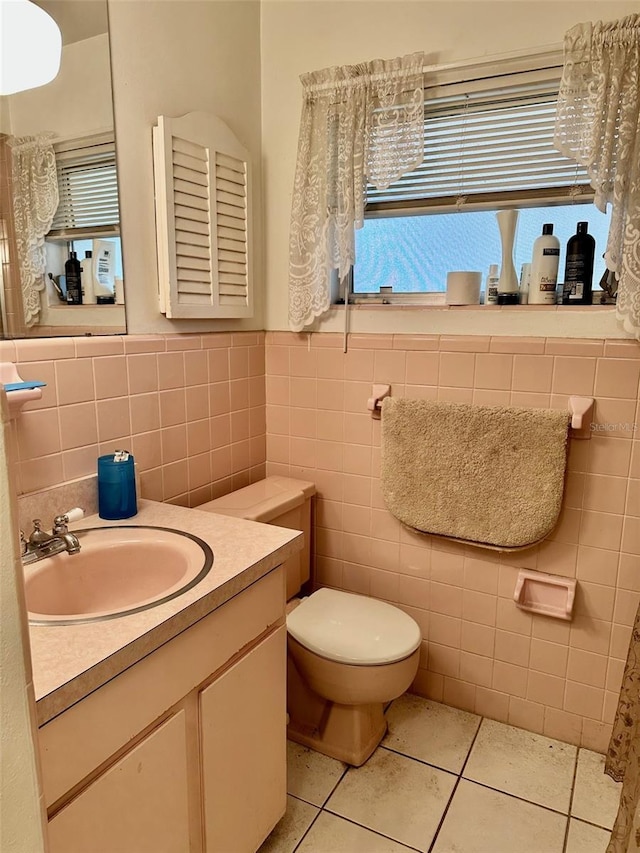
[445,781]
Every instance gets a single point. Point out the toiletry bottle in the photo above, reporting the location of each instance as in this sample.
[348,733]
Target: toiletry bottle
[88,295]
[525,279]
[544,268]
[491,286]
[578,273]
[73,275]
[104,283]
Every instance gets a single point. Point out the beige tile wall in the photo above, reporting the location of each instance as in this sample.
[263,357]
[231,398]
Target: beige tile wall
[191,408]
[479,652]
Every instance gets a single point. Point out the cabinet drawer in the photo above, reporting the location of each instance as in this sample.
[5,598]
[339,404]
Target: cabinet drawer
[80,740]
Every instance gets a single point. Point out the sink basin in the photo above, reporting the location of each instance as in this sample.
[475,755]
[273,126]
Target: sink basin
[118,571]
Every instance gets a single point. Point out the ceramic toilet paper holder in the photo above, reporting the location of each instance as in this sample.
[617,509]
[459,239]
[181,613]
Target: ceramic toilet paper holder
[549,595]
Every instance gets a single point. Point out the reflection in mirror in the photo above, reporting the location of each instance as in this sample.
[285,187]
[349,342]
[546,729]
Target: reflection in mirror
[61,260]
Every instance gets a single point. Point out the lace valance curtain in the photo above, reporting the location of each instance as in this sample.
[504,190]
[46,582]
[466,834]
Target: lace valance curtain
[35,200]
[598,124]
[360,123]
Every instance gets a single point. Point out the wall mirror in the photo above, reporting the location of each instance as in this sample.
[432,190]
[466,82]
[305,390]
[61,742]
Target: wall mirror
[59,192]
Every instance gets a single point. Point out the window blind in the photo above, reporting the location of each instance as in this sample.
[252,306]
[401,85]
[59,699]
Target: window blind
[88,190]
[487,144]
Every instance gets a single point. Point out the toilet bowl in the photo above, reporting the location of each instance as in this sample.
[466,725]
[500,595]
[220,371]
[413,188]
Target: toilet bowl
[348,655]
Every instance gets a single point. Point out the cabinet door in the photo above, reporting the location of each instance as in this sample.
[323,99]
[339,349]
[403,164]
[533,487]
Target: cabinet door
[243,722]
[138,806]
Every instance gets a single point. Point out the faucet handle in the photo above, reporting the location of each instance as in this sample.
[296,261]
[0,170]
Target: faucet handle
[23,543]
[38,536]
[60,522]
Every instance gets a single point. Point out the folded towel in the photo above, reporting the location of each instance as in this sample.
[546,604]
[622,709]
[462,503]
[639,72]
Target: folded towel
[489,475]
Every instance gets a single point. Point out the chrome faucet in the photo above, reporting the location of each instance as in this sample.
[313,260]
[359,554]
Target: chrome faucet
[41,544]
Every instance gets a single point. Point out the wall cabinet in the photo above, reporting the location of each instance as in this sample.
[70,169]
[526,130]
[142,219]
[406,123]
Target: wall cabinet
[185,751]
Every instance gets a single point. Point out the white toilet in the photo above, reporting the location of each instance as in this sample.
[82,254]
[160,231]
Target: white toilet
[349,655]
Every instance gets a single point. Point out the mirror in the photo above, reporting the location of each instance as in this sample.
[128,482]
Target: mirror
[58,191]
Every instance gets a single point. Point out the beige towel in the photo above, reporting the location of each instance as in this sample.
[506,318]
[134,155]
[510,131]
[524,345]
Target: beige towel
[489,475]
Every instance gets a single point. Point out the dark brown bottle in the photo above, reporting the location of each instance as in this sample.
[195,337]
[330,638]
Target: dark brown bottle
[74,283]
[578,271]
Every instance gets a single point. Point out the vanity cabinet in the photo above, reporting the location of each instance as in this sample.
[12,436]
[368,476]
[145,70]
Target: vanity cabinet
[183,752]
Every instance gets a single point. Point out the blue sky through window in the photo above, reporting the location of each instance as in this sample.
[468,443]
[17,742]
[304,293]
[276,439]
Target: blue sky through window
[414,253]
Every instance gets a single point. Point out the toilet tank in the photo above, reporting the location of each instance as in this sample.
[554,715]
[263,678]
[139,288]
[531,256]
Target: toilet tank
[282,501]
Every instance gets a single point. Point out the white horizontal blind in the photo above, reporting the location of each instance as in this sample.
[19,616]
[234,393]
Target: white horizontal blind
[486,142]
[88,189]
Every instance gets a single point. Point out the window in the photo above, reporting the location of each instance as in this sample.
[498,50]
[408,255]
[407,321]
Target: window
[88,190]
[88,207]
[488,145]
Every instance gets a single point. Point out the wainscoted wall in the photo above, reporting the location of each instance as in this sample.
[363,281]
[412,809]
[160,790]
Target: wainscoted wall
[191,408]
[479,652]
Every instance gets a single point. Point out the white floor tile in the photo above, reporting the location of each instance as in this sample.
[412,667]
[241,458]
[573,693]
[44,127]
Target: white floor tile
[595,795]
[288,832]
[395,796]
[430,731]
[311,776]
[584,838]
[527,765]
[480,820]
[331,834]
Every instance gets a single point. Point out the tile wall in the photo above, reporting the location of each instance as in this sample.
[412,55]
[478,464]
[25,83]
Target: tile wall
[480,652]
[191,408]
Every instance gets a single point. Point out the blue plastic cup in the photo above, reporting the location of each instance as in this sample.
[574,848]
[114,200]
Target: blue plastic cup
[116,488]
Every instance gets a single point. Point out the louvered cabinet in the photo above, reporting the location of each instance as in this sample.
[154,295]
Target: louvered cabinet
[202,179]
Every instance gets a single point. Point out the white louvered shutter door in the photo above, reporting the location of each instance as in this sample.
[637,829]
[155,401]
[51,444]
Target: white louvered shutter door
[203,218]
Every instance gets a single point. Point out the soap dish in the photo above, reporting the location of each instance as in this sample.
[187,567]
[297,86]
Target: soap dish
[18,391]
[549,595]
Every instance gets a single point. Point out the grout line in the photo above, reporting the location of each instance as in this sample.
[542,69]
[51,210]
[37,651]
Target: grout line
[369,829]
[455,788]
[307,830]
[420,761]
[332,791]
[516,797]
[573,787]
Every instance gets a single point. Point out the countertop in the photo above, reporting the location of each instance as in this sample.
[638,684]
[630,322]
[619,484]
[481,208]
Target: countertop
[70,661]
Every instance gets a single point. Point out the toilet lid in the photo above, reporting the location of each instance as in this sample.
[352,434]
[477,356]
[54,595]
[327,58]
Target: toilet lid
[353,629]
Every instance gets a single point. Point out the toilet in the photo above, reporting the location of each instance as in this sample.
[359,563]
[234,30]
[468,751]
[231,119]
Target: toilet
[348,655]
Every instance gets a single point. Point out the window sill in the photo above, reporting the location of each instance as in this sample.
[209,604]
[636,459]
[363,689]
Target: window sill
[374,305]
[552,321]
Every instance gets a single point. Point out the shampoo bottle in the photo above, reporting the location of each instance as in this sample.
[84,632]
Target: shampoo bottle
[491,286]
[525,280]
[104,284]
[72,271]
[88,295]
[544,268]
[578,273]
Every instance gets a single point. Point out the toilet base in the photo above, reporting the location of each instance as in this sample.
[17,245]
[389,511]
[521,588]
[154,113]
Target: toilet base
[349,733]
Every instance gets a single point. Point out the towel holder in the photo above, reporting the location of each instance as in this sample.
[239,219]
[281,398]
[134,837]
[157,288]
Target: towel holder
[581,409]
[374,404]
